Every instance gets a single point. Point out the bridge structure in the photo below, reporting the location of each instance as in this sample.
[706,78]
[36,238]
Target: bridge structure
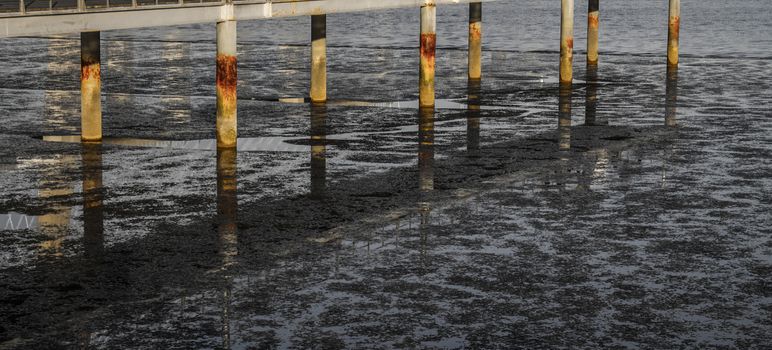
[89,17]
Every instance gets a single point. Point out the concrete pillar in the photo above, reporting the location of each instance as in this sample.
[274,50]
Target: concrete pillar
[674,27]
[566,41]
[591,97]
[671,95]
[593,11]
[564,118]
[90,88]
[473,116]
[318,150]
[93,212]
[427,50]
[227,204]
[318,58]
[227,80]
[426,149]
[475,40]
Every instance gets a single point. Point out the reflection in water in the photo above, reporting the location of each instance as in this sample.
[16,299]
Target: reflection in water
[564,118]
[176,56]
[473,116]
[93,217]
[591,98]
[227,208]
[55,223]
[671,95]
[318,150]
[425,168]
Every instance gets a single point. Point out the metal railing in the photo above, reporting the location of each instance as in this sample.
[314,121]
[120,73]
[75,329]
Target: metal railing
[28,7]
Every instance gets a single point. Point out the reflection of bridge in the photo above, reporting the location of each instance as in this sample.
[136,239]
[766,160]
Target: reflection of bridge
[41,17]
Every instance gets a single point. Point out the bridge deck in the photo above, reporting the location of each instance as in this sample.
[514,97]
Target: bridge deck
[48,17]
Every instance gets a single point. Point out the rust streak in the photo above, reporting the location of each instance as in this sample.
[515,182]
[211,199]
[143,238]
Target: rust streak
[428,45]
[592,21]
[475,32]
[90,71]
[227,78]
[570,43]
[675,25]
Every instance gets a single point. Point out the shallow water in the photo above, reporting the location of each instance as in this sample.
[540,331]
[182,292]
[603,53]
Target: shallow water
[370,224]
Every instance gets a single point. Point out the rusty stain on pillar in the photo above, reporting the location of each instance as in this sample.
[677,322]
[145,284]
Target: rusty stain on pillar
[90,88]
[564,118]
[93,212]
[318,150]
[475,40]
[318,58]
[566,41]
[593,23]
[427,50]
[671,95]
[227,80]
[473,117]
[674,27]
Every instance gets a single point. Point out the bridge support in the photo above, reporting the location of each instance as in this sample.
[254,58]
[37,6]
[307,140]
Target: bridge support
[593,22]
[475,40]
[427,50]
[318,58]
[566,41]
[226,84]
[90,88]
[674,27]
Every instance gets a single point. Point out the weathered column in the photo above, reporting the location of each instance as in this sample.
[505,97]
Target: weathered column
[566,41]
[593,11]
[319,58]
[473,116]
[93,213]
[564,118]
[591,97]
[318,150]
[674,27]
[90,88]
[475,40]
[427,50]
[671,95]
[226,84]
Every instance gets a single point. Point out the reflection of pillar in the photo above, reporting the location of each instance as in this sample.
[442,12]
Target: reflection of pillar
[674,28]
[93,217]
[227,209]
[591,97]
[566,41]
[426,149]
[473,116]
[55,223]
[318,149]
[226,84]
[318,58]
[593,22]
[90,87]
[671,95]
[475,40]
[427,50]
[564,118]
[227,204]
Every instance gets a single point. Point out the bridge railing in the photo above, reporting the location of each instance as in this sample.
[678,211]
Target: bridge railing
[23,7]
